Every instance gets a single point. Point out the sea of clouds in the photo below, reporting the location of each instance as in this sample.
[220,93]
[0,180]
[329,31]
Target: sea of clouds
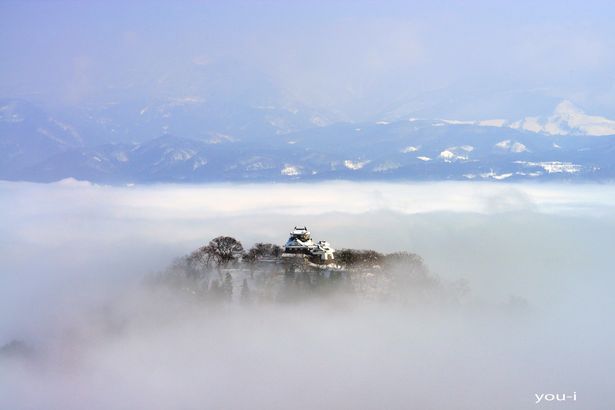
[537,260]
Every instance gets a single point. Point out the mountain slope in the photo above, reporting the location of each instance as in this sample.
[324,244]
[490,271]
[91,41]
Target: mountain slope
[418,150]
[28,135]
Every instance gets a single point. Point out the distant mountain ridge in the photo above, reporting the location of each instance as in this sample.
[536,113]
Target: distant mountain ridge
[567,119]
[186,144]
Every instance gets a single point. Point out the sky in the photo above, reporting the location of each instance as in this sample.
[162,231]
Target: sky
[356,60]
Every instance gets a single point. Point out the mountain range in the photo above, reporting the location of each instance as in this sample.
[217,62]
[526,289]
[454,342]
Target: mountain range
[195,139]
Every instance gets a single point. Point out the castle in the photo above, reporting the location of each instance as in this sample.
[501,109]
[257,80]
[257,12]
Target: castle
[300,242]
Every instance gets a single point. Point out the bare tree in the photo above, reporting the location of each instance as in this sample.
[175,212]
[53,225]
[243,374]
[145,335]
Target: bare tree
[352,258]
[224,249]
[346,257]
[408,270]
[262,250]
[199,261]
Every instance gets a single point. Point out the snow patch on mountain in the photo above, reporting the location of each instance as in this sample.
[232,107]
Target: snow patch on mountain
[185,100]
[69,129]
[503,144]
[258,166]
[489,175]
[9,113]
[459,122]
[518,148]
[319,121]
[290,170]
[386,166]
[355,165]
[496,122]
[409,149]
[72,182]
[258,163]
[497,177]
[456,153]
[45,132]
[568,119]
[120,156]
[511,146]
[554,167]
[198,163]
[219,138]
[180,155]
[450,156]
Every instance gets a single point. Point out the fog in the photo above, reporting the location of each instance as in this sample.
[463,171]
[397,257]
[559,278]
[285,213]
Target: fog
[75,259]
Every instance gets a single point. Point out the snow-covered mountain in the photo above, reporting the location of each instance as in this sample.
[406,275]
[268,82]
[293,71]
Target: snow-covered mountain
[566,119]
[37,146]
[29,135]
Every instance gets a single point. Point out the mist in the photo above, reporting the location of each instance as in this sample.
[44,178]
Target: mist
[76,259]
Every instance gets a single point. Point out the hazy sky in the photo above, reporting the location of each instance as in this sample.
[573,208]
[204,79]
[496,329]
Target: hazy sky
[352,58]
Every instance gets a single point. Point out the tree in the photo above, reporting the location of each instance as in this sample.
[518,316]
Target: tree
[346,257]
[224,249]
[370,258]
[227,286]
[408,270]
[199,261]
[362,258]
[259,251]
[245,295]
[411,260]
[216,293]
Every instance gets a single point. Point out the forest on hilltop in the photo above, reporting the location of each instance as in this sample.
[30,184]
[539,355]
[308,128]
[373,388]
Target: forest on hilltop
[223,271]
